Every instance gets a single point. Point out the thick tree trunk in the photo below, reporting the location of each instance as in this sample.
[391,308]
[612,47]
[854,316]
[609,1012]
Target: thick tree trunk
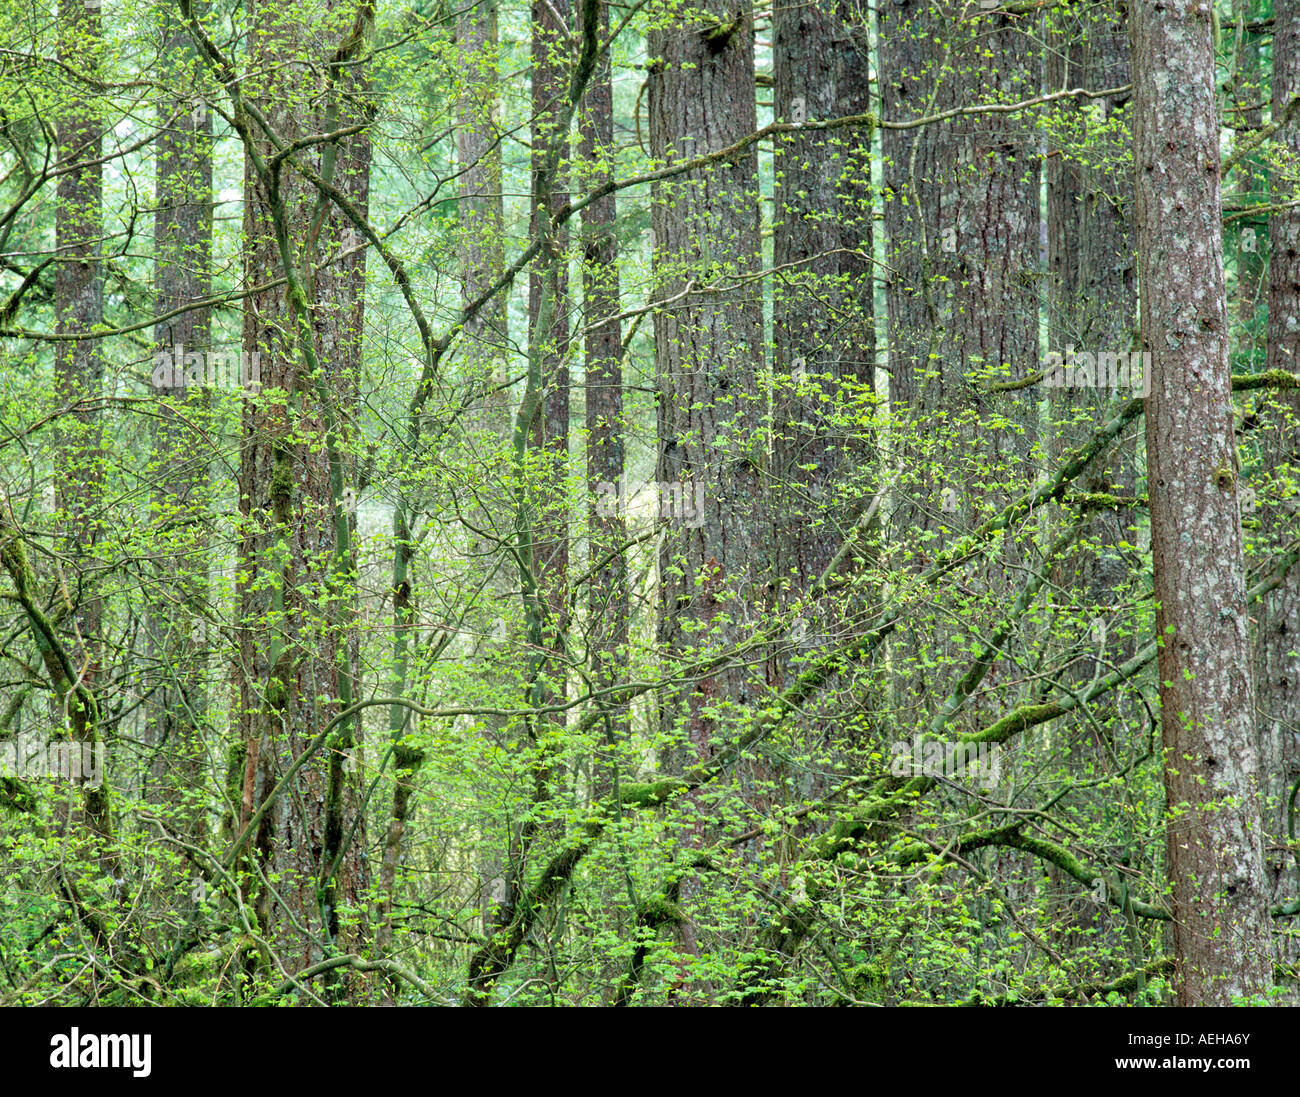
[713,563]
[182,276]
[297,569]
[823,326]
[962,221]
[1247,114]
[1215,833]
[1092,306]
[79,366]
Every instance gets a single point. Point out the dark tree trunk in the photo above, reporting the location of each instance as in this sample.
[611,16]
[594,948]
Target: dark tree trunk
[548,335]
[962,221]
[484,351]
[823,326]
[182,276]
[607,593]
[79,364]
[478,154]
[297,566]
[713,566]
[1092,303]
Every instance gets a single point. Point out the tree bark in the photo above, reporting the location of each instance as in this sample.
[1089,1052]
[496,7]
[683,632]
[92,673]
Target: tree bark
[713,563]
[297,570]
[548,315]
[962,220]
[1214,835]
[823,324]
[1277,643]
[177,622]
[607,593]
[79,371]
[1092,306]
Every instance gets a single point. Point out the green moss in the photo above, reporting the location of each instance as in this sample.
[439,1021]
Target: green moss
[653,793]
[660,911]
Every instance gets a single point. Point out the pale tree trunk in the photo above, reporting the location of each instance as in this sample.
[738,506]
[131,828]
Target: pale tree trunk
[607,593]
[713,567]
[1277,644]
[297,565]
[1214,837]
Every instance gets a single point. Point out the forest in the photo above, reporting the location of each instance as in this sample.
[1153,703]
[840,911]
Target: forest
[649,502]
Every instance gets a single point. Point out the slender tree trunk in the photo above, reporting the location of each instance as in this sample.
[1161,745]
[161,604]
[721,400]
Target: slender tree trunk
[549,343]
[339,292]
[485,349]
[478,154]
[1215,833]
[607,592]
[542,434]
[1277,645]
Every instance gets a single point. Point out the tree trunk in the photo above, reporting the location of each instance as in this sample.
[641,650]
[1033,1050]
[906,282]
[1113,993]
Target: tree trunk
[823,326]
[607,592]
[297,566]
[1215,836]
[79,368]
[713,567]
[962,221]
[548,315]
[182,276]
[1277,645]
[478,154]
[485,350]
[1092,307]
